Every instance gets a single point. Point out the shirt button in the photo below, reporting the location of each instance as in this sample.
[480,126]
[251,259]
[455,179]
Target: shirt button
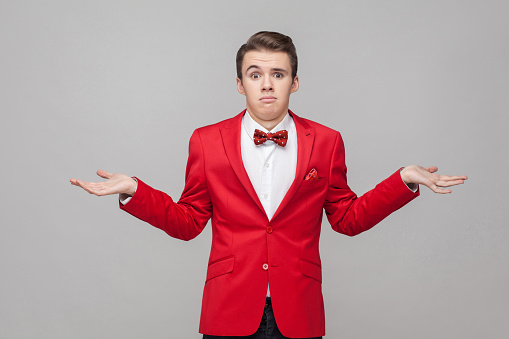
[265,266]
[267,165]
[265,196]
[269,229]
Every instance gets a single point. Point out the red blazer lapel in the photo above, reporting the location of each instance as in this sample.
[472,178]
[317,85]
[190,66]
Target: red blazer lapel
[305,140]
[230,134]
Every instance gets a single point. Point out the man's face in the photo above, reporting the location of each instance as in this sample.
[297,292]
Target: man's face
[267,84]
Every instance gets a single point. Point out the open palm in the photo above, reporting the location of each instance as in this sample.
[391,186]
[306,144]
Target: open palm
[117,183]
[415,174]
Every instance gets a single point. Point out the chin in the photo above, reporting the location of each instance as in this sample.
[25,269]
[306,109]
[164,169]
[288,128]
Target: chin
[270,116]
[271,110]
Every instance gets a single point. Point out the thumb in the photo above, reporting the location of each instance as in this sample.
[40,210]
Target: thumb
[432,169]
[104,174]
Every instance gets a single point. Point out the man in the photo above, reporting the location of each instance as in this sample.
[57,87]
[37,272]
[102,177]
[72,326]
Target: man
[264,177]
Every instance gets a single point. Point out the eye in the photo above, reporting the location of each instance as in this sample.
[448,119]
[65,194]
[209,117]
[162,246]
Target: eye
[278,75]
[255,76]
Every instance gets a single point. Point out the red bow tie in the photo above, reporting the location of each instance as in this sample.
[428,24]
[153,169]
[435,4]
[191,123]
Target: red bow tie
[279,137]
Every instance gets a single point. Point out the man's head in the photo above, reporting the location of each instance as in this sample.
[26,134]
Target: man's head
[269,41]
[267,75]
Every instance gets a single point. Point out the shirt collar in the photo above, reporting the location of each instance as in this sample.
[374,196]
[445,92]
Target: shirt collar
[251,125]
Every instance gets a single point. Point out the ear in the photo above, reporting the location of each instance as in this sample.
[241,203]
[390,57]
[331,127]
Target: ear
[240,88]
[295,85]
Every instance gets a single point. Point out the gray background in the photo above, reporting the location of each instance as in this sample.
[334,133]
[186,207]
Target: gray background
[87,85]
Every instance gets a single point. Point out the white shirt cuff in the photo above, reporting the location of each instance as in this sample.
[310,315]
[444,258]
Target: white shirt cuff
[125,198]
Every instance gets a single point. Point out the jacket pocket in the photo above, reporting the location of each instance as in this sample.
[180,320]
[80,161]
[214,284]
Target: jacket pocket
[220,267]
[313,183]
[311,269]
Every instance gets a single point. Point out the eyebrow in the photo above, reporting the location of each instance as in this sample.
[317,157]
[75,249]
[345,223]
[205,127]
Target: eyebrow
[252,66]
[282,70]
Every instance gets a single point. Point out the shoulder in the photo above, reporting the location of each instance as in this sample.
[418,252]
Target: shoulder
[227,123]
[212,132]
[321,130]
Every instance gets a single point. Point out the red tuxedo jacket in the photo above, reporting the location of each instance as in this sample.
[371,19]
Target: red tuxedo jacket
[248,250]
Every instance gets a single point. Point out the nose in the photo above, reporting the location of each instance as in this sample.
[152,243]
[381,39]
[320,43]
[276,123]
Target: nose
[267,84]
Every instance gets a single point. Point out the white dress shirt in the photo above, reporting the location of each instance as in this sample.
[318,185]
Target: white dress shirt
[270,167]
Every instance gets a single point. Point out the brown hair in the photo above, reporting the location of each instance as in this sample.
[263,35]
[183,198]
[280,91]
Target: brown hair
[271,41]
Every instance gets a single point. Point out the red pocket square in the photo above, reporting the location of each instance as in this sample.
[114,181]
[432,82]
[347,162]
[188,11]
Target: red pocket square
[312,175]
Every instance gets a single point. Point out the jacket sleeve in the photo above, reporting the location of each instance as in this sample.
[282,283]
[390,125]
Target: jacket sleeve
[186,218]
[351,215]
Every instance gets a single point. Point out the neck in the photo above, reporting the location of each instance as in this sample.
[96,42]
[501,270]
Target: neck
[268,124]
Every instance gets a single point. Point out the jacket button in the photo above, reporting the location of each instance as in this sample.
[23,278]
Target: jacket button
[265,266]
[269,229]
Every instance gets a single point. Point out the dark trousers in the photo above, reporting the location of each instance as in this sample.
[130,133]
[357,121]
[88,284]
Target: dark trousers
[267,330]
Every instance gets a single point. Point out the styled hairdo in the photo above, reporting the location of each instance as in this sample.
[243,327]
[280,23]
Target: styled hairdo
[271,41]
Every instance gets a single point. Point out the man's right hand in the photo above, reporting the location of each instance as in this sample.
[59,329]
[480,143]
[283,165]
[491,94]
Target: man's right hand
[117,183]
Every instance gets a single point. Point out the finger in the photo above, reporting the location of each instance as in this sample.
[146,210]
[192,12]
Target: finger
[90,187]
[98,188]
[104,174]
[451,177]
[432,186]
[83,185]
[439,190]
[457,177]
[449,183]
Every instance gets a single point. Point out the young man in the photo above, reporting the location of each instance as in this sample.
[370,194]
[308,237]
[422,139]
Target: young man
[264,177]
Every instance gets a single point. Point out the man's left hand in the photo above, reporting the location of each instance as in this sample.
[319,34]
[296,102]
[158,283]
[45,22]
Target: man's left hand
[415,174]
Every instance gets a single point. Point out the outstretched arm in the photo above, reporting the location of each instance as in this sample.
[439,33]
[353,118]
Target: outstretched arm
[415,174]
[184,219]
[351,215]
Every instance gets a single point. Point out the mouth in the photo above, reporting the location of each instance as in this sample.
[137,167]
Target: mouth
[268,99]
